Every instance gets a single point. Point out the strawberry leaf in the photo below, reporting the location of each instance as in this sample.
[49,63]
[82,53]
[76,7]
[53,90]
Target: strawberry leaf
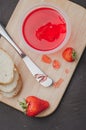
[74,55]
[24,105]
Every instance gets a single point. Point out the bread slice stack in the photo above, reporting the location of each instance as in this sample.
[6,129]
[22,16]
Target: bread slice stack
[10,79]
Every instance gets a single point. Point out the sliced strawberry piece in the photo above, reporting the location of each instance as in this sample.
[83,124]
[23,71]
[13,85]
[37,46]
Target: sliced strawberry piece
[56,64]
[46,59]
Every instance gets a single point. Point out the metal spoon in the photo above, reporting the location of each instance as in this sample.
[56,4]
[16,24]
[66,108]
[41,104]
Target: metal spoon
[42,78]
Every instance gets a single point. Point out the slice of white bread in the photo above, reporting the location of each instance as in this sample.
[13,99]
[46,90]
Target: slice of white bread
[11,86]
[14,92]
[6,68]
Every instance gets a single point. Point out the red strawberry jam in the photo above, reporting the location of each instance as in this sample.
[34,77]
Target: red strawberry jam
[44,29]
[50,32]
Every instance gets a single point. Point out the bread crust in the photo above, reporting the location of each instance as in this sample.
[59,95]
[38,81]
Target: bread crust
[11,86]
[15,92]
[14,80]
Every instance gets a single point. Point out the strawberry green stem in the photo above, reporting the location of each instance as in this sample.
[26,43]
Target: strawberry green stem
[74,55]
[24,105]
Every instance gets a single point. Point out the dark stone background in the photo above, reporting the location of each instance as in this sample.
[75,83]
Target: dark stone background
[71,113]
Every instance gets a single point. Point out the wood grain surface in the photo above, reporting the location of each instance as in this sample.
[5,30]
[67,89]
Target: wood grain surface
[77,40]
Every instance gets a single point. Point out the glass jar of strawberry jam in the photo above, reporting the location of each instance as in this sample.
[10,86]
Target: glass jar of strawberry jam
[45,29]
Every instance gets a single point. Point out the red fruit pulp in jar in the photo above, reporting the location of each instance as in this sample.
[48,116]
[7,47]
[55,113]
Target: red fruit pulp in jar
[44,29]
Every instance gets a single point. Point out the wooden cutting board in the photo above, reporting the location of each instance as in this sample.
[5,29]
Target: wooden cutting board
[77,40]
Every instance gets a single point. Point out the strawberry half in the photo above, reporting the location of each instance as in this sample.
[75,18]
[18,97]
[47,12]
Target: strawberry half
[32,105]
[69,54]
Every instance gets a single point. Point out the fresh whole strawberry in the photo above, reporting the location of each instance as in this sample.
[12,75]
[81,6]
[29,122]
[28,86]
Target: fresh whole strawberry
[69,54]
[33,105]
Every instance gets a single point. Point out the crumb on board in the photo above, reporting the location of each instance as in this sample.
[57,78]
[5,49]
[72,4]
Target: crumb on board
[67,71]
